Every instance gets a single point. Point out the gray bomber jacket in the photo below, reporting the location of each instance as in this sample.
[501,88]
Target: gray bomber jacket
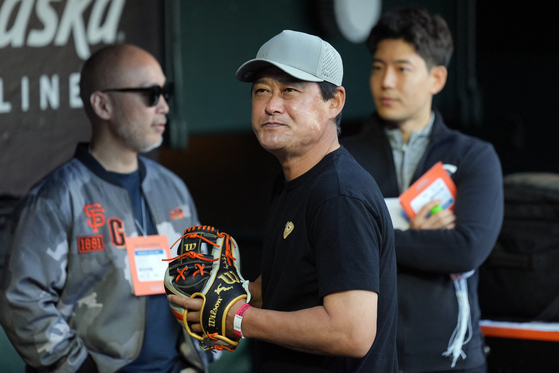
[67,287]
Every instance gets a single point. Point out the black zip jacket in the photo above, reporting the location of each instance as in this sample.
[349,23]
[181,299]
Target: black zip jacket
[427,302]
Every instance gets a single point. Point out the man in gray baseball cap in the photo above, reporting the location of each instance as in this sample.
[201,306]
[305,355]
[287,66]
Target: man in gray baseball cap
[326,299]
[301,55]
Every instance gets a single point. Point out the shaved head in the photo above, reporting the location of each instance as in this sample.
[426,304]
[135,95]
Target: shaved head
[108,68]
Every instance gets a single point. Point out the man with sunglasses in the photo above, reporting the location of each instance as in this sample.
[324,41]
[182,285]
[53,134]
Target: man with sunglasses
[69,299]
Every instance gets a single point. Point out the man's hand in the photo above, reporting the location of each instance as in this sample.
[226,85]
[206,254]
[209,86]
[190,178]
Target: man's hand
[444,219]
[211,285]
[193,305]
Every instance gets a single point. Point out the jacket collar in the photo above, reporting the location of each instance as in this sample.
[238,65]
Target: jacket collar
[439,131]
[84,156]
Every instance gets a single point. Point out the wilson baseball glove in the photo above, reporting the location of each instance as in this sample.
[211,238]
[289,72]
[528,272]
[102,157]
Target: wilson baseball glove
[207,267]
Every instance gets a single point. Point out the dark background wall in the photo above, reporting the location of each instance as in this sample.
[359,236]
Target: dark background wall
[45,44]
[517,59]
[215,42]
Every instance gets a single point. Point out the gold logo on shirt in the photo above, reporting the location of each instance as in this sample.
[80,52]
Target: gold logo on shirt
[288,229]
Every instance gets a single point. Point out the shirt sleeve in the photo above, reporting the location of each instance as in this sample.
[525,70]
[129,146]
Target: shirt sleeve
[347,245]
[33,279]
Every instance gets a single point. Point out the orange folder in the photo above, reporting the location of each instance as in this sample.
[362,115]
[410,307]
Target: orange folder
[434,184]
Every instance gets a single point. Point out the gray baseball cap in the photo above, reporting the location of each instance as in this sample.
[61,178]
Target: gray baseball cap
[303,56]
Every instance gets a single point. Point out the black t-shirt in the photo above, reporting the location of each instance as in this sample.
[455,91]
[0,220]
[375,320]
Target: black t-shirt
[329,230]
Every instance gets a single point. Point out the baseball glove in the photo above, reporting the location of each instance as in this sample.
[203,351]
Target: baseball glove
[207,267]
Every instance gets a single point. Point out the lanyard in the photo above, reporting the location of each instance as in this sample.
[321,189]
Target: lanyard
[142,228]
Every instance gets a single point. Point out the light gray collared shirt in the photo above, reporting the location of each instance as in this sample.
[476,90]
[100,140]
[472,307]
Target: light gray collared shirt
[407,156]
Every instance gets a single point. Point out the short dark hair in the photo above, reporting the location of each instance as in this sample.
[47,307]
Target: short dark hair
[328,90]
[428,33]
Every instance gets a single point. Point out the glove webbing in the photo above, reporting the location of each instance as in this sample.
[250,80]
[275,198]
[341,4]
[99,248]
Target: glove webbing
[193,255]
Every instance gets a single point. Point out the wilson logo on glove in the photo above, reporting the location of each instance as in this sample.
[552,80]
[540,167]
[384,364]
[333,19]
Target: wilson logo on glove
[220,289]
[215,277]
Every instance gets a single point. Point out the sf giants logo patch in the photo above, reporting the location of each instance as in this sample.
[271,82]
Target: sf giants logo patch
[116,226]
[96,214]
[90,244]
[176,213]
[96,219]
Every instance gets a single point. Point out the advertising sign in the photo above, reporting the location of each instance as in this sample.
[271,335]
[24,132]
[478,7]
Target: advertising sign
[43,44]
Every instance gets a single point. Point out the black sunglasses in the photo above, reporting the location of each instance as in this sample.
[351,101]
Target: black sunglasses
[152,92]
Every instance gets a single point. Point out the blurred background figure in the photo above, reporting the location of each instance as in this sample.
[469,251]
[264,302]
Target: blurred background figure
[438,256]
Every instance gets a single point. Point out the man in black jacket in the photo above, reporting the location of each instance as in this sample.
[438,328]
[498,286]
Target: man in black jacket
[439,253]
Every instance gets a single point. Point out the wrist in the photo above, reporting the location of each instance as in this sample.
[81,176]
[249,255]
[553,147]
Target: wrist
[239,319]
